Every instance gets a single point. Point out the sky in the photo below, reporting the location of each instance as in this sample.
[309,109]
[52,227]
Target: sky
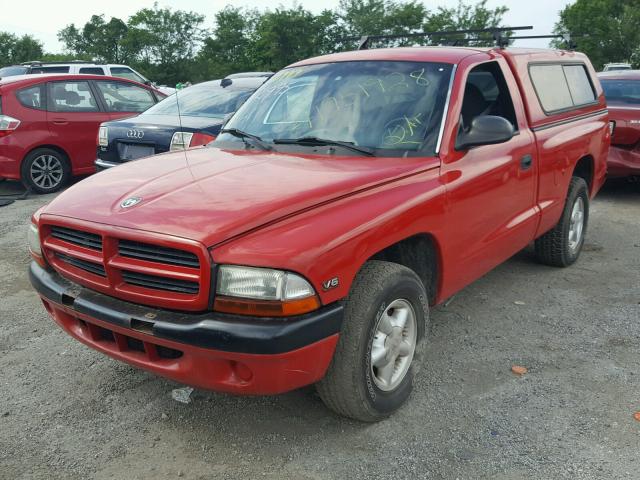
[43,19]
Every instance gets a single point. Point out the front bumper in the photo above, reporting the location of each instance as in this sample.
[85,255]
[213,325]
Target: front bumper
[228,353]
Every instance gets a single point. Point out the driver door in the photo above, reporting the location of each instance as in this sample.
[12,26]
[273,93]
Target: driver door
[491,189]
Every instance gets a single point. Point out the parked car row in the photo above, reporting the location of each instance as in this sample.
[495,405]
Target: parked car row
[622,91]
[190,118]
[307,243]
[57,137]
[81,67]
[50,123]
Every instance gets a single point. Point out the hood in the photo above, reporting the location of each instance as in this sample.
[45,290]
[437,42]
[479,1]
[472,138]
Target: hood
[161,121]
[210,195]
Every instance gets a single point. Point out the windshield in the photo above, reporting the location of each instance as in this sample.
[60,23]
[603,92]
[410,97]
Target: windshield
[393,108]
[621,91]
[10,71]
[202,101]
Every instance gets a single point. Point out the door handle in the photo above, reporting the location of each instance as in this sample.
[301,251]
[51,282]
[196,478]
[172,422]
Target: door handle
[58,121]
[526,162]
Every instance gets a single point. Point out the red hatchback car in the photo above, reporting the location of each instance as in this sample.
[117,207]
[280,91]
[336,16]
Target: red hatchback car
[49,123]
[622,91]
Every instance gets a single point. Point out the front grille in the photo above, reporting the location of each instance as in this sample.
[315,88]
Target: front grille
[175,276]
[77,237]
[160,283]
[154,253]
[90,267]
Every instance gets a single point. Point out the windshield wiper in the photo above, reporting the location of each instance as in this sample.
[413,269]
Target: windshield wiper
[244,136]
[315,141]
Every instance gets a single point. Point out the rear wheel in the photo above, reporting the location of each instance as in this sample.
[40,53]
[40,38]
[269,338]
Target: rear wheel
[386,314]
[45,170]
[561,246]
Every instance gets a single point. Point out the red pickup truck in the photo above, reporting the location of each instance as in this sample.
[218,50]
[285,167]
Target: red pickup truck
[349,194]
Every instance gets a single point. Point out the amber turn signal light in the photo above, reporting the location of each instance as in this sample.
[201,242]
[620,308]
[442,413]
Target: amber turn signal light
[266,308]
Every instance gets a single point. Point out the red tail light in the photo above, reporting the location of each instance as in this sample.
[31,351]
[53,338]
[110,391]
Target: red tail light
[201,139]
[8,125]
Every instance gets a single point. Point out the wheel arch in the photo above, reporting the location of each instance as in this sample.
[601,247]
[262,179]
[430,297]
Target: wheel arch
[584,168]
[421,254]
[50,146]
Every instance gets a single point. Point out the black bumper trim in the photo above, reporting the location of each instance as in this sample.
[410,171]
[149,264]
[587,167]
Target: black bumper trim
[230,333]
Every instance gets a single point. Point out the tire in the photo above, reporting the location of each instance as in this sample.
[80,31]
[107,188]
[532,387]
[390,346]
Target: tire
[45,170]
[561,246]
[354,386]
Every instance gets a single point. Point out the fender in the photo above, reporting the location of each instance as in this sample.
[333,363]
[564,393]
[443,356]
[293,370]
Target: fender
[333,241]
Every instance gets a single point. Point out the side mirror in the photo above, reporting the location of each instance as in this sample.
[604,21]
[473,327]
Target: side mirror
[148,83]
[485,130]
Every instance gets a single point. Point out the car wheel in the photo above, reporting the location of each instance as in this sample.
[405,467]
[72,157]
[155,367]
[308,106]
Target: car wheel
[561,246]
[45,170]
[386,314]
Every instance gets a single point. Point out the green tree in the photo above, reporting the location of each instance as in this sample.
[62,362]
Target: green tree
[466,17]
[230,48]
[19,49]
[285,36]
[165,35]
[377,17]
[610,28]
[98,40]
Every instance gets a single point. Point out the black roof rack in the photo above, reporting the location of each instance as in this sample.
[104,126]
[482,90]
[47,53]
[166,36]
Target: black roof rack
[568,38]
[498,35]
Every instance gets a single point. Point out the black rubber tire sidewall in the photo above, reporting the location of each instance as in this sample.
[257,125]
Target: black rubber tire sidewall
[379,400]
[25,170]
[578,190]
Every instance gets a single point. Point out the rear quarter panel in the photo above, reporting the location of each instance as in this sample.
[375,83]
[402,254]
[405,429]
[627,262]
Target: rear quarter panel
[563,138]
[32,132]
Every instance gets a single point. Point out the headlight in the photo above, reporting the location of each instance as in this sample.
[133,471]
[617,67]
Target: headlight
[263,292]
[33,239]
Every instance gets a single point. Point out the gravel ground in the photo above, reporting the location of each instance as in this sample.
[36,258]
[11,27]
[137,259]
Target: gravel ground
[69,412]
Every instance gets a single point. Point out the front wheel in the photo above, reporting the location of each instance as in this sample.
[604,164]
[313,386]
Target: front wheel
[561,246]
[386,315]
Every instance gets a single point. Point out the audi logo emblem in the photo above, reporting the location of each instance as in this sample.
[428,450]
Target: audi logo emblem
[135,133]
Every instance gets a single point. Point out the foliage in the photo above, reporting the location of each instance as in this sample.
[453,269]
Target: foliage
[466,17]
[98,40]
[18,49]
[610,28]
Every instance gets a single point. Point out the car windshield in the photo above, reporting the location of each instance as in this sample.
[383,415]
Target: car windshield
[621,91]
[390,107]
[202,101]
[10,71]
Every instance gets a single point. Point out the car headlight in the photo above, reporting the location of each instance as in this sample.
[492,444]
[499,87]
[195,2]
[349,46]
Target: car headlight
[33,240]
[263,292]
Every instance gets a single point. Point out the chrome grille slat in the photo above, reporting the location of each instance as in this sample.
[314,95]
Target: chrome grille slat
[77,237]
[160,283]
[155,253]
[90,267]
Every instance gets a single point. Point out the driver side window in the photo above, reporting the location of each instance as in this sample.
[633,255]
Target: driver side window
[486,93]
